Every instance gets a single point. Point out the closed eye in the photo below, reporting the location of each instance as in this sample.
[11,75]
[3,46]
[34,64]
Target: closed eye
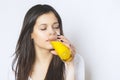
[56,26]
[43,27]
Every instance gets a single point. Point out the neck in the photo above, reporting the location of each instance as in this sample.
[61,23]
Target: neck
[43,56]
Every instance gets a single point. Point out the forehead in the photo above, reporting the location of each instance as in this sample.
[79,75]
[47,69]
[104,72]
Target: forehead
[47,18]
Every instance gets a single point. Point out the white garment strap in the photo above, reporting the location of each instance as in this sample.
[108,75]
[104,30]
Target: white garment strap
[29,78]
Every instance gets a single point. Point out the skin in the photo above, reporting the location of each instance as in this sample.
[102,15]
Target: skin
[45,30]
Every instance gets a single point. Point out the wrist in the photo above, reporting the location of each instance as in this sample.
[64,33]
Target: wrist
[69,71]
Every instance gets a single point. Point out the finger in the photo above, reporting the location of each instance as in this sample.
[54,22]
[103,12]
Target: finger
[53,52]
[71,47]
[63,39]
[67,43]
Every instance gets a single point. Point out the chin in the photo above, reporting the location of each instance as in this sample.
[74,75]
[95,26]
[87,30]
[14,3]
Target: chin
[49,47]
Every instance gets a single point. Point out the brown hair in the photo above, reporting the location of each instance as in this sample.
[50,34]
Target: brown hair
[25,52]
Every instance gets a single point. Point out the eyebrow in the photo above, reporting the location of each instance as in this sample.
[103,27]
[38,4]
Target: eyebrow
[53,23]
[42,24]
[56,23]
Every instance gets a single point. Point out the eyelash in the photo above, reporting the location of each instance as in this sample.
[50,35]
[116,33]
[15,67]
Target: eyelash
[43,29]
[56,27]
[53,28]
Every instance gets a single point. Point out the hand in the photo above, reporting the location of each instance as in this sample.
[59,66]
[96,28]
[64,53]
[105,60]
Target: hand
[66,42]
[69,66]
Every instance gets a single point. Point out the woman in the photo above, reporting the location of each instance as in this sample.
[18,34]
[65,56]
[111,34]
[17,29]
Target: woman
[35,58]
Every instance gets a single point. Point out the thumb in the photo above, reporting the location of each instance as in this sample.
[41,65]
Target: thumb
[53,52]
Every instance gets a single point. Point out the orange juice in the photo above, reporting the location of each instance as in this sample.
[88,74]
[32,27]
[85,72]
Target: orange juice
[62,50]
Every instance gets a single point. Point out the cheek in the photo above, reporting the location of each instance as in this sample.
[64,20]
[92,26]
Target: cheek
[39,37]
[42,37]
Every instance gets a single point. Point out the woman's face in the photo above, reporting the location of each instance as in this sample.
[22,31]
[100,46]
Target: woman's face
[45,30]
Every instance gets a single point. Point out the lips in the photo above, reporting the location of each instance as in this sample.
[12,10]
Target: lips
[52,40]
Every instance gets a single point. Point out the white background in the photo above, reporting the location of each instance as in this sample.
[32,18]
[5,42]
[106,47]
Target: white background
[92,25]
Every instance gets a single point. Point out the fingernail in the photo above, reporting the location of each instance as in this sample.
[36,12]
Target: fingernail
[58,38]
[61,40]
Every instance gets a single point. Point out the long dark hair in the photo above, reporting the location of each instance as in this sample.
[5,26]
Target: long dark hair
[25,52]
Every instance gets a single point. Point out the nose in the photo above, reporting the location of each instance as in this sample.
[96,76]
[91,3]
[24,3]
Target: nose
[52,31]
